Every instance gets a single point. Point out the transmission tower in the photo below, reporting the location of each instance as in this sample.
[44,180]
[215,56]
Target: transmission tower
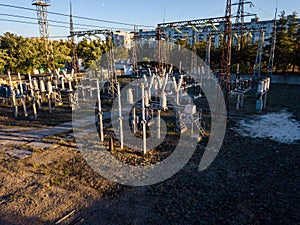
[226,55]
[194,58]
[42,15]
[240,30]
[240,19]
[73,47]
[272,53]
[113,81]
[134,52]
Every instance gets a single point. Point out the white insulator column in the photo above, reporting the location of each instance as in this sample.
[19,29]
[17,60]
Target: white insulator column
[62,83]
[144,147]
[30,81]
[100,114]
[42,85]
[130,96]
[163,101]
[35,84]
[70,85]
[134,120]
[120,117]
[49,87]
[13,96]
[158,124]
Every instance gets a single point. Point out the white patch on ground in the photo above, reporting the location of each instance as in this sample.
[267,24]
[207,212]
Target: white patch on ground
[278,127]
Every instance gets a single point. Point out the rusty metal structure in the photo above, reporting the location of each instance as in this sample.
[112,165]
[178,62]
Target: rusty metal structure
[240,30]
[226,55]
[134,52]
[239,26]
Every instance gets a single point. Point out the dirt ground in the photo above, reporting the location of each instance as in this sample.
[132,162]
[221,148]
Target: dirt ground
[252,181]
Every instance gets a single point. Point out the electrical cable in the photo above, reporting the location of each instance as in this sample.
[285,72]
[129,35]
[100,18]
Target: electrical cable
[78,17]
[55,21]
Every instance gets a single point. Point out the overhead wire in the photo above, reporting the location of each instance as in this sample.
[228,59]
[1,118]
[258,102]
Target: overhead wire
[78,17]
[27,22]
[59,22]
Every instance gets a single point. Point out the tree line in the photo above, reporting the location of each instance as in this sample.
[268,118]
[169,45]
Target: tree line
[19,54]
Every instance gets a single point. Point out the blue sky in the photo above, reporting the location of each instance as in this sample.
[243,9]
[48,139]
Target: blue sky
[133,11]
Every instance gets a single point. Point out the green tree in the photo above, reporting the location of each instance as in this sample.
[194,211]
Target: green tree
[90,51]
[61,53]
[286,43]
[292,35]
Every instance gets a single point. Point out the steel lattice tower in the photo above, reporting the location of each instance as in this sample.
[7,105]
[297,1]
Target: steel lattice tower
[73,48]
[240,19]
[272,52]
[226,55]
[42,15]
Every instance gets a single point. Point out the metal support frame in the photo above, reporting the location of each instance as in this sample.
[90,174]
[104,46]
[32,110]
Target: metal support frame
[259,54]
[208,50]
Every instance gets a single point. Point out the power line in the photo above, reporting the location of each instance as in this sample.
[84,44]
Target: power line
[78,17]
[54,21]
[60,26]
[27,22]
